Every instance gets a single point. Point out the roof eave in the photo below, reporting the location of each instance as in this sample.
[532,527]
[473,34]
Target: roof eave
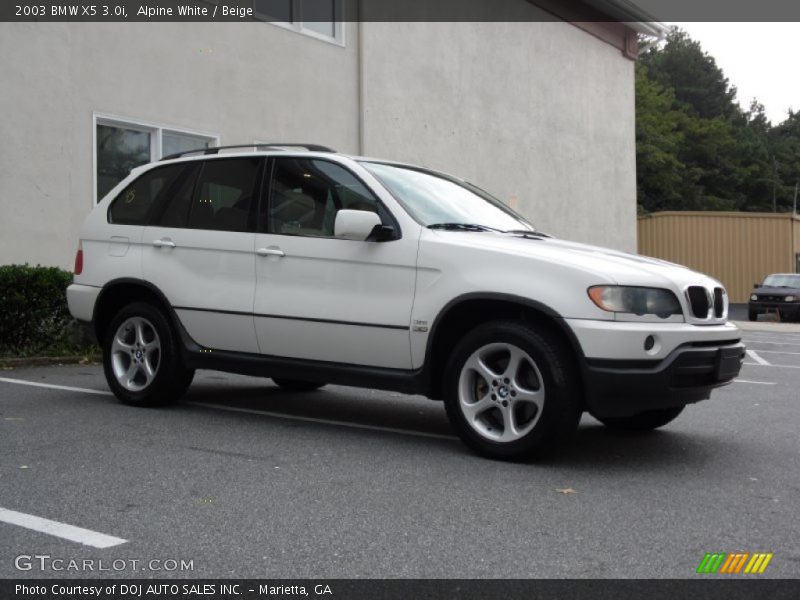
[638,19]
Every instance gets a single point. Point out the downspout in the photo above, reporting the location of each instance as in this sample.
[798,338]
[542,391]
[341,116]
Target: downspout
[360,76]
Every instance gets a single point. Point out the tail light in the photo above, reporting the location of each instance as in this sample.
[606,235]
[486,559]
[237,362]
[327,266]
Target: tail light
[79,260]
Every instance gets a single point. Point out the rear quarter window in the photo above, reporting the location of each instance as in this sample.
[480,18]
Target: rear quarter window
[135,203]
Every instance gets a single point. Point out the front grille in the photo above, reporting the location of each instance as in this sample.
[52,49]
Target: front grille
[699,301]
[719,303]
[771,298]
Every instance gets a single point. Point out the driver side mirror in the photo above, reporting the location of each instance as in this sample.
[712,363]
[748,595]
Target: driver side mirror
[355,225]
[755,285]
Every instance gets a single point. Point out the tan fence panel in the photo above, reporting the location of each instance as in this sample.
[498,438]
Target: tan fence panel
[739,249]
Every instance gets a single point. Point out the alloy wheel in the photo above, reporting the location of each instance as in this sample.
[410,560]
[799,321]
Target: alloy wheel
[135,354]
[501,392]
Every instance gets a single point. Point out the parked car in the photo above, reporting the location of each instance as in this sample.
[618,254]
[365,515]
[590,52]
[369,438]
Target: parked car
[313,267]
[779,292]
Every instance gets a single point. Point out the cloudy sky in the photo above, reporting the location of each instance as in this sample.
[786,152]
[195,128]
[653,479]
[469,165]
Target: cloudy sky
[760,59]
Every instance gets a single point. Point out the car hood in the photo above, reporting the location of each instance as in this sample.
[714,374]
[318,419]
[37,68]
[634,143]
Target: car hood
[609,266]
[776,291]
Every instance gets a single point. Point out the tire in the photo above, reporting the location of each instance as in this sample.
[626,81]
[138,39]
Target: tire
[509,413]
[752,315]
[645,421]
[295,385]
[141,357]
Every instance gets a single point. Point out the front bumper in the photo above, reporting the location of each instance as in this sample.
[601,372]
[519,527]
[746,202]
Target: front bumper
[788,309]
[619,388]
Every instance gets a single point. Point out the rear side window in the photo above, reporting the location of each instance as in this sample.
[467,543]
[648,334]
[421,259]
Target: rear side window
[173,209]
[135,202]
[224,195]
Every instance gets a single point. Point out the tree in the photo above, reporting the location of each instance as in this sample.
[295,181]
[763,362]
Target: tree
[694,76]
[785,144]
[659,171]
[696,148]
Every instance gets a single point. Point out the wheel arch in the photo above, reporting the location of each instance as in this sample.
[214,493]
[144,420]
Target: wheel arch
[467,311]
[120,292]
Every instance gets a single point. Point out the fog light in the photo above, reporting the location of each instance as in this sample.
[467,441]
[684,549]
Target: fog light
[649,342]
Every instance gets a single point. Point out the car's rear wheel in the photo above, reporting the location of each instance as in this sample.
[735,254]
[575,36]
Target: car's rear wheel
[296,385]
[644,421]
[512,391]
[141,358]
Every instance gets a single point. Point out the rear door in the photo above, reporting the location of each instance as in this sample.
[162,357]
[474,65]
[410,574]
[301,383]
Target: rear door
[323,298]
[199,251]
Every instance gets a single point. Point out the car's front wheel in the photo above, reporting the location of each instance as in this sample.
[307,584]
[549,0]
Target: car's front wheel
[752,315]
[644,421]
[141,358]
[512,391]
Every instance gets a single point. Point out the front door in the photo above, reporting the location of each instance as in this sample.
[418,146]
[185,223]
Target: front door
[322,298]
[199,252]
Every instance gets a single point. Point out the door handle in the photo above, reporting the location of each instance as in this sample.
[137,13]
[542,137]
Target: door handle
[164,243]
[270,252]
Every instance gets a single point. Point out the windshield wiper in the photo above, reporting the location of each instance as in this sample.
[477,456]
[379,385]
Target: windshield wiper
[461,227]
[528,232]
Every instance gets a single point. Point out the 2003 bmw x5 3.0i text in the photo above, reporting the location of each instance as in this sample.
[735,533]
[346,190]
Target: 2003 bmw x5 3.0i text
[312,267]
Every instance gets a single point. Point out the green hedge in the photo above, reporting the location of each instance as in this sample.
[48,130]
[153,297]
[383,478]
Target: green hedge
[34,319]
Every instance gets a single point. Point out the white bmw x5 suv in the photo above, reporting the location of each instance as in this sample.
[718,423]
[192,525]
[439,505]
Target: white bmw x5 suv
[312,267]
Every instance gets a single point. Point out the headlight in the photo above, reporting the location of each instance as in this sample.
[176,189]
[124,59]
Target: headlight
[790,298]
[753,297]
[635,300]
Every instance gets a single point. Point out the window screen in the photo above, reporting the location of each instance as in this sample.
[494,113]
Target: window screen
[306,194]
[172,143]
[319,16]
[119,150]
[224,194]
[134,203]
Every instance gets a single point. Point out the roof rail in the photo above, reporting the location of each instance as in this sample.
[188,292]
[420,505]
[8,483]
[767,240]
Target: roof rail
[270,145]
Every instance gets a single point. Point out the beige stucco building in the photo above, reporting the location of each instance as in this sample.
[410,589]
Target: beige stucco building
[541,114]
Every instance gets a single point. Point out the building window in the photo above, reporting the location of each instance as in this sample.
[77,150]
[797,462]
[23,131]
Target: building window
[322,19]
[121,145]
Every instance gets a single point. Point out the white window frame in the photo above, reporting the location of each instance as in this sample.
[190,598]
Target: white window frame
[156,131]
[297,26]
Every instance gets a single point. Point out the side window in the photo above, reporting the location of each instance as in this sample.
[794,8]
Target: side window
[173,208]
[305,195]
[224,194]
[134,203]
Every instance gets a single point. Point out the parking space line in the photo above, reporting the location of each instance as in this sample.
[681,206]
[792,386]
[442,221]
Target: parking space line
[755,382]
[750,341]
[786,332]
[777,352]
[87,537]
[772,365]
[757,358]
[55,387]
[265,413]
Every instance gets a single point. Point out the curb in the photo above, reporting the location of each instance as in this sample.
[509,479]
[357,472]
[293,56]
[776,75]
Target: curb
[43,361]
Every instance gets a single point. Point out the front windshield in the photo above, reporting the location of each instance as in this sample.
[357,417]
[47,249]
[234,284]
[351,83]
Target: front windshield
[434,199]
[783,281]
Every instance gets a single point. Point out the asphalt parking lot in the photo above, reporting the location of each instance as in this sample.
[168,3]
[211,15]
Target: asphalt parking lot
[245,480]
